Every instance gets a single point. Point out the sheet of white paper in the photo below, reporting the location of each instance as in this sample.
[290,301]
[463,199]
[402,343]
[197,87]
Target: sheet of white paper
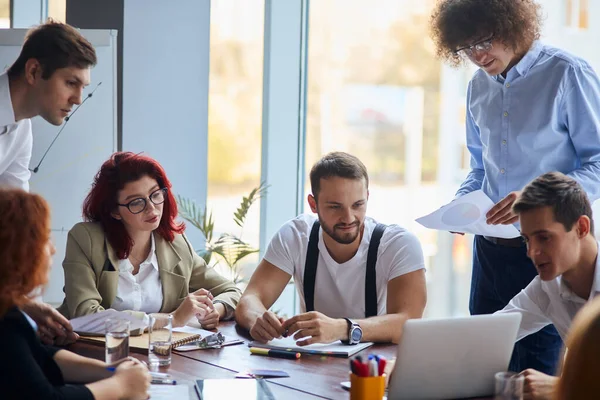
[467,214]
[94,323]
[168,392]
[191,329]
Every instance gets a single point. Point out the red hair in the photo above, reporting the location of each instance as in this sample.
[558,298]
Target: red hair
[120,169]
[24,235]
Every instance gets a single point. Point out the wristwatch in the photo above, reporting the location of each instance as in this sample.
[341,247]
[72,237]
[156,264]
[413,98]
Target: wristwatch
[354,332]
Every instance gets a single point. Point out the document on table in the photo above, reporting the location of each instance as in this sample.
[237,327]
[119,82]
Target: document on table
[191,329]
[467,214]
[168,392]
[336,348]
[93,324]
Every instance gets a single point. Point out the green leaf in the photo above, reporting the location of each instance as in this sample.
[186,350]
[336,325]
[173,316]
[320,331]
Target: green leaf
[239,216]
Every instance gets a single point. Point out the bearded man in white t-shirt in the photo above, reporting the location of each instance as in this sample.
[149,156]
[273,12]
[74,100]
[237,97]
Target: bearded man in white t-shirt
[46,80]
[343,295]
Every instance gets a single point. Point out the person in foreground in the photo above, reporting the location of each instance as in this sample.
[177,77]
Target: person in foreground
[132,256]
[531,109]
[46,80]
[30,369]
[581,368]
[557,226]
[357,280]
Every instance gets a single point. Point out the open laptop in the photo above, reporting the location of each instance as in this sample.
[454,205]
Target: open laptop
[452,358]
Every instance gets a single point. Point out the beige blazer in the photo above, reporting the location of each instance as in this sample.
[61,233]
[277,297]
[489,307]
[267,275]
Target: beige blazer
[91,273]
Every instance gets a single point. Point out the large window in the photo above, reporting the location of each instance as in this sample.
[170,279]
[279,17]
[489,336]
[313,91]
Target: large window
[4,14]
[57,10]
[234,118]
[375,92]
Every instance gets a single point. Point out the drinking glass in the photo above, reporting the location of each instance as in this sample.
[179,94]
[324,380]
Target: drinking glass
[160,334]
[509,386]
[117,339]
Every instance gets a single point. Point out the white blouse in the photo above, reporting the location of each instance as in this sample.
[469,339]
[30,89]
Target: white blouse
[140,292]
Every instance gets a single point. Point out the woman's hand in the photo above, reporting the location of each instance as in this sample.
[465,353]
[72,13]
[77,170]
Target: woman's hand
[197,304]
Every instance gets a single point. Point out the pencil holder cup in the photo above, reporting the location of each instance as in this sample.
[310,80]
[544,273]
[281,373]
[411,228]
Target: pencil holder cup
[367,388]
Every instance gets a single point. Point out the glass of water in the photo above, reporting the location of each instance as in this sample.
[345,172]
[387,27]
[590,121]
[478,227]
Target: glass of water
[117,340]
[160,334]
[509,386]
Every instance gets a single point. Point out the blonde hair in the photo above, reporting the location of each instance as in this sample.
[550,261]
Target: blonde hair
[580,377]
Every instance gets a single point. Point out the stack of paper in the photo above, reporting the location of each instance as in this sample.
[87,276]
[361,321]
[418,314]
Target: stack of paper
[94,324]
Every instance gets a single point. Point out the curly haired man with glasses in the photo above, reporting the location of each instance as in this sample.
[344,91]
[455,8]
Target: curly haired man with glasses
[531,108]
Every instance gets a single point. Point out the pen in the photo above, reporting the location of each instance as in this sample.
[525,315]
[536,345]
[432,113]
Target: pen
[159,375]
[156,381]
[292,355]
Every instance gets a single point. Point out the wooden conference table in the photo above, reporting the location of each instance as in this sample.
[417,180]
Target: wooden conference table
[311,376]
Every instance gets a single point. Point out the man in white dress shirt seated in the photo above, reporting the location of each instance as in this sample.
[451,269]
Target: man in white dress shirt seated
[357,280]
[46,80]
[556,223]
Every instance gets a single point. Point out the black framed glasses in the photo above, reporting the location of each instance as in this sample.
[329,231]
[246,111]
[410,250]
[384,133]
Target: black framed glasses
[138,205]
[482,45]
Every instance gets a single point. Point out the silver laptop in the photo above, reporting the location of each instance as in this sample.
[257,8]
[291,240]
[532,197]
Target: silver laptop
[452,358]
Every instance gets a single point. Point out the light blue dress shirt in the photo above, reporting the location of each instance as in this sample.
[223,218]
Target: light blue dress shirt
[545,116]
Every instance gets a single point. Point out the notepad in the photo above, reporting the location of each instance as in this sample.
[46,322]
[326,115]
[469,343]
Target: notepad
[140,343]
[335,349]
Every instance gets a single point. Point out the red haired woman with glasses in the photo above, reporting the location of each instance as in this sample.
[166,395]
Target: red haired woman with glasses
[131,255]
[32,370]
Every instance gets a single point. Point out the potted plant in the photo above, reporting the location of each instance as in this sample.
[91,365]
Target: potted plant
[228,249]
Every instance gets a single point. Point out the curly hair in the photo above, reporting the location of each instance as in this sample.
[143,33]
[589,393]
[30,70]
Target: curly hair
[455,23]
[24,235]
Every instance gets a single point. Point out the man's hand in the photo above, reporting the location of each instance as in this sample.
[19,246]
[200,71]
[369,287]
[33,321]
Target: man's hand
[319,327]
[267,327]
[53,328]
[502,213]
[538,386]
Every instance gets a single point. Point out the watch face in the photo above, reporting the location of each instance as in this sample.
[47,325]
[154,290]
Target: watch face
[356,335]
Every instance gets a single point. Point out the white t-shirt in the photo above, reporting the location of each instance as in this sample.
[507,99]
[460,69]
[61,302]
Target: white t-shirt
[16,141]
[553,302]
[340,288]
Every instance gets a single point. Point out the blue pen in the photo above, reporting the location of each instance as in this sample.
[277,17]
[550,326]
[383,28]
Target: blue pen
[111,369]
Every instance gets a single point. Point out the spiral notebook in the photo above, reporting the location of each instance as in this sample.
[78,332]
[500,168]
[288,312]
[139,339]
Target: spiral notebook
[140,343]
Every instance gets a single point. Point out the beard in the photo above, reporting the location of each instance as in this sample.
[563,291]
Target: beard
[342,237]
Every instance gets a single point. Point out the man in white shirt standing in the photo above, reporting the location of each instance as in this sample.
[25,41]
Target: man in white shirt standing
[556,223]
[357,280]
[47,79]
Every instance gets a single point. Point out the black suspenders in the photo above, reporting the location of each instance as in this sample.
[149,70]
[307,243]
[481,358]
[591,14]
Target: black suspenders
[312,259]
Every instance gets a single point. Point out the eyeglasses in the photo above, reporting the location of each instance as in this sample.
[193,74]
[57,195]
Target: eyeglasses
[482,45]
[138,205]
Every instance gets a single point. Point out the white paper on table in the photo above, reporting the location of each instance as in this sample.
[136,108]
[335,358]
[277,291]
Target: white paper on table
[467,214]
[168,392]
[334,348]
[191,329]
[93,324]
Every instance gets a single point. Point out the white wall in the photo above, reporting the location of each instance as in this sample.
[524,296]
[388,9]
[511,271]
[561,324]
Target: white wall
[165,89]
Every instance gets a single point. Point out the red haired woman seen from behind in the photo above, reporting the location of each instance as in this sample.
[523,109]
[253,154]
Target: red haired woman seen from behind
[33,370]
[581,369]
[131,254]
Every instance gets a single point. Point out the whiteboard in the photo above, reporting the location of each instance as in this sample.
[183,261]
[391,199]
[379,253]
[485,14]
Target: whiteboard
[89,138]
